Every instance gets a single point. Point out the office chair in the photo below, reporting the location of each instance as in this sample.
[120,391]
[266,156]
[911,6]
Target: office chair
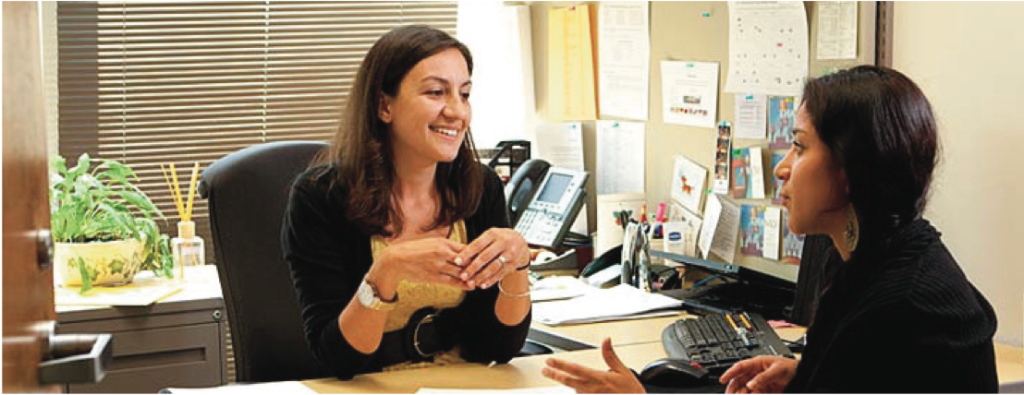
[247,193]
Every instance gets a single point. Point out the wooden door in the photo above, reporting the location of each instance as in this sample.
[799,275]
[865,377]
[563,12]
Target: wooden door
[27,285]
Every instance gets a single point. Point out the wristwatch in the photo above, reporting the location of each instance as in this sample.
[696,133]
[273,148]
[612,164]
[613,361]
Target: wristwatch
[370,298]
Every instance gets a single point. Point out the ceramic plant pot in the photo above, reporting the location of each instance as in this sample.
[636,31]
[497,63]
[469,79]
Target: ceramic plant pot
[107,263]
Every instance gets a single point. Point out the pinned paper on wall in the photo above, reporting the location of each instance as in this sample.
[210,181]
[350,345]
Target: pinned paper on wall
[561,144]
[688,180]
[570,65]
[624,47]
[620,157]
[768,47]
[837,30]
[751,116]
[689,93]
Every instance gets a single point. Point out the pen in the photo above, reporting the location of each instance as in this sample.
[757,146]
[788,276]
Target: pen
[739,331]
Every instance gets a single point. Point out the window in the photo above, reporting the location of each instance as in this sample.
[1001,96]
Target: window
[182,82]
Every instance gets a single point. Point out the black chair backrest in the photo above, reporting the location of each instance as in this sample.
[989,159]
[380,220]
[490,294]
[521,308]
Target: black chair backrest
[247,193]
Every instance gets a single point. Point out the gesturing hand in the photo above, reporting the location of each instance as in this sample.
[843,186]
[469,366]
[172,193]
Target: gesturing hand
[497,252]
[426,260]
[762,374]
[618,379]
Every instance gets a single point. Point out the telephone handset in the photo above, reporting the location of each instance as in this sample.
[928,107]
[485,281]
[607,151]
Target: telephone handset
[544,201]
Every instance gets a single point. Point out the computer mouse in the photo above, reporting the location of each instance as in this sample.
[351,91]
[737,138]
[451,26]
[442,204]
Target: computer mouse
[669,372]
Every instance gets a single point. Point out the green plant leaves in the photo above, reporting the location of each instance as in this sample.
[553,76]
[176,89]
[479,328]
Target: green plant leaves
[104,205]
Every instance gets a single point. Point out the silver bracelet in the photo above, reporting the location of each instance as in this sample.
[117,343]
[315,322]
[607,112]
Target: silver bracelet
[512,295]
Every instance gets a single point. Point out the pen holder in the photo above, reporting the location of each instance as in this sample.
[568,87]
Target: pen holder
[187,248]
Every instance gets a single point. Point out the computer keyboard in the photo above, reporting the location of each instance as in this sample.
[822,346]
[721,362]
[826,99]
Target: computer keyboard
[717,341]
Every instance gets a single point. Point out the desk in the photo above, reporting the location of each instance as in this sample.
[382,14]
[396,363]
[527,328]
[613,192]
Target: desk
[520,373]
[640,344]
[647,330]
[176,342]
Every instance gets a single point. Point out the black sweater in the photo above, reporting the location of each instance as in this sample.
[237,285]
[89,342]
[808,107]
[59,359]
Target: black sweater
[329,256]
[900,316]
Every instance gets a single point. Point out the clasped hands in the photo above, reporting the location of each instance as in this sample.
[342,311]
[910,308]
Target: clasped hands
[479,264]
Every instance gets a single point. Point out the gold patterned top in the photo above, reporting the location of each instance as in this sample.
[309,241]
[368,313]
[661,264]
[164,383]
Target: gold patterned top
[413,296]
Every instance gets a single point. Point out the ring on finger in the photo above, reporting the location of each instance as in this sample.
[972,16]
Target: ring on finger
[502,260]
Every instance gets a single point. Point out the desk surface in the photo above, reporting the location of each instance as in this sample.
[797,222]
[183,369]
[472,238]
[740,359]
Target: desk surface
[200,290]
[638,342]
[628,332]
[520,373]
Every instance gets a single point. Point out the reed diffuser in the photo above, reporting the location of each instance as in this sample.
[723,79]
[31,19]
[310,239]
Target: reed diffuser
[188,249]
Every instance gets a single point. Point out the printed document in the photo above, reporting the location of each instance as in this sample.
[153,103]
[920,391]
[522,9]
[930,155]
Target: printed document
[624,48]
[620,302]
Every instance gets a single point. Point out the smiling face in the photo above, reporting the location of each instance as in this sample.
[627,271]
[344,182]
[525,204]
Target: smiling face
[814,189]
[430,114]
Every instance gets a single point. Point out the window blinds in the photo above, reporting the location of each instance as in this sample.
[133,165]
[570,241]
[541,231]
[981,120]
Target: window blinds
[152,83]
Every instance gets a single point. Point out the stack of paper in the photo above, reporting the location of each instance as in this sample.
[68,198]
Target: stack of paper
[620,302]
[559,287]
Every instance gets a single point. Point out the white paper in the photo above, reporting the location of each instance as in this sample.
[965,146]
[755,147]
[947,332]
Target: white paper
[721,224]
[624,48]
[693,223]
[837,30]
[279,387]
[558,287]
[619,302]
[751,116]
[756,175]
[772,219]
[620,157]
[561,144]
[712,210]
[609,230]
[688,180]
[767,47]
[557,389]
[689,93]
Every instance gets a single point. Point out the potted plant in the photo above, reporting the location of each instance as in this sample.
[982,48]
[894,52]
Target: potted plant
[103,226]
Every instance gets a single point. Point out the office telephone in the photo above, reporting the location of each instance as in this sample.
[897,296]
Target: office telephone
[544,201]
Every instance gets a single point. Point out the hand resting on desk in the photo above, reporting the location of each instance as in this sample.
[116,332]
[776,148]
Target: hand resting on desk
[618,379]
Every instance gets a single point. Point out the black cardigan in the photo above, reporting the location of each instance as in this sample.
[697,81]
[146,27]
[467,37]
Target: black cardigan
[900,316]
[329,256]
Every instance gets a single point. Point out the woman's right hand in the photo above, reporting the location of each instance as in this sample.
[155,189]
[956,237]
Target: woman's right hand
[426,260]
[762,374]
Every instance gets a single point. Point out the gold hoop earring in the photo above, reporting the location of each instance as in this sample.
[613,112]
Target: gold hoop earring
[852,233]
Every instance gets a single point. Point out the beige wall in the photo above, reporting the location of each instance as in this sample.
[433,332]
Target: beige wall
[968,57]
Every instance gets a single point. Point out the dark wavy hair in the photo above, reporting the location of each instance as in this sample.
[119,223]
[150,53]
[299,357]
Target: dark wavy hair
[361,149]
[880,129]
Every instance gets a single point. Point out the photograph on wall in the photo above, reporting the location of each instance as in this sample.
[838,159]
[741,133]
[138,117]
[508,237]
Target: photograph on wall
[752,230]
[777,157]
[723,149]
[688,180]
[792,243]
[740,172]
[781,117]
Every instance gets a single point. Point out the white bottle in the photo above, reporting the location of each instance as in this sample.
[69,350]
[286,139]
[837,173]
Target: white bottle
[188,249]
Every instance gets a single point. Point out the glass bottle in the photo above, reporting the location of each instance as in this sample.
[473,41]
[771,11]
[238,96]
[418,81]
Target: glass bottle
[188,249]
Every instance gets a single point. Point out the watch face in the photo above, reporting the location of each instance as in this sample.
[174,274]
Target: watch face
[368,298]
[365,296]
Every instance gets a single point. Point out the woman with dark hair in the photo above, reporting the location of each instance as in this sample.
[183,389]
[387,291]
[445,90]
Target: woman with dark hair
[397,237]
[897,314]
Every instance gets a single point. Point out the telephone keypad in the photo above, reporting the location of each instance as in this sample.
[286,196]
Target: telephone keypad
[538,227]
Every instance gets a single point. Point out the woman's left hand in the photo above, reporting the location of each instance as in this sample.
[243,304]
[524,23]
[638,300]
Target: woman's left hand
[496,253]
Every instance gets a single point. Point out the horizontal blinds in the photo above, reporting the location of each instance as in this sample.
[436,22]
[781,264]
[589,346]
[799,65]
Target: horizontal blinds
[153,83]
